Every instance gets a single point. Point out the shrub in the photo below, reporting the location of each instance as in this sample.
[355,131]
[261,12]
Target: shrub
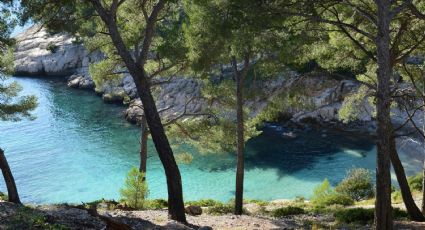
[355,215]
[135,189]
[28,218]
[287,211]
[156,204]
[363,216]
[204,203]
[220,209]
[357,184]
[258,202]
[52,47]
[400,214]
[396,196]
[324,195]
[415,182]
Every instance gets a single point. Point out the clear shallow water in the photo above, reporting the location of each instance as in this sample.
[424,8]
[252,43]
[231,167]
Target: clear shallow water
[80,149]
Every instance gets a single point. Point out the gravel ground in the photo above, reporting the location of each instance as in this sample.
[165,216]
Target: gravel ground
[13,217]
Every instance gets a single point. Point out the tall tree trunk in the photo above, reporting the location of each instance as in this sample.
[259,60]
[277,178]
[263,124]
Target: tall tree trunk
[175,191]
[383,209]
[143,146]
[141,79]
[240,145]
[423,166]
[240,130]
[423,188]
[12,191]
[411,207]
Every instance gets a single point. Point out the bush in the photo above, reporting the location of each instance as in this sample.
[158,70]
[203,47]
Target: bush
[220,209]
[363,216]
[156,204]
[287,211]
[135,189]
[257,202]
[357,184]
[415,182]
[28,218]
[400,214]
[324,195]
[355,215]
[204,203]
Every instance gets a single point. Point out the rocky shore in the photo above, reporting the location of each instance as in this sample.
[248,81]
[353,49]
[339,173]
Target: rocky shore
[40,53]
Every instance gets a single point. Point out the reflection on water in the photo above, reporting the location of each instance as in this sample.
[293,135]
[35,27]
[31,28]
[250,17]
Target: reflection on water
[79,149]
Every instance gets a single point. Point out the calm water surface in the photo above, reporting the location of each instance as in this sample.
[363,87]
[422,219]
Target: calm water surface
[80,149]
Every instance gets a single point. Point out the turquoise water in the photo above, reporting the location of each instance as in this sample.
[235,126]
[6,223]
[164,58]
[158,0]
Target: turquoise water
[80,149]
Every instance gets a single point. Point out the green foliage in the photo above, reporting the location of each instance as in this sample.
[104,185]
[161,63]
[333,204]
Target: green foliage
[258,202]
[221,209]
[12,106]
[400,214]
[52,47]
[355,215]
[353,105]
[204,203]
[6,61]
[135,189]
[396,196]
[364,216]
[28,218]
[324,195]
[415,182]
[357,184]
[287,211]
[103,71]
[184,158]
[3,196]
[156,204]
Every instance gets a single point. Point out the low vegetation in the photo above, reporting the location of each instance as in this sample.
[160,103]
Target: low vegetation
[28,218]
[135,189]
[287,211]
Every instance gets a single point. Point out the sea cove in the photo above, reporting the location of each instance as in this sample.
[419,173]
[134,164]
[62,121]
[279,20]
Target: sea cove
[79,149]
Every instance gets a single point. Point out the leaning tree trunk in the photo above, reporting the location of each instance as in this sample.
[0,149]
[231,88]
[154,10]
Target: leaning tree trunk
[143,146]
[12,191]
[383,209]
[141,79]
[411,207]
[172,173]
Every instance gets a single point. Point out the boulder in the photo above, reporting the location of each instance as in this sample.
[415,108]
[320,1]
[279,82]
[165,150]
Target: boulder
[80,82]
[193,210]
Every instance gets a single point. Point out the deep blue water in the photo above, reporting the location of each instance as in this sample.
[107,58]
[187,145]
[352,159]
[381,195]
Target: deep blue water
[80,149]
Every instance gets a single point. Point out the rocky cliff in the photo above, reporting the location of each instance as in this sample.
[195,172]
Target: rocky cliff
[40,53]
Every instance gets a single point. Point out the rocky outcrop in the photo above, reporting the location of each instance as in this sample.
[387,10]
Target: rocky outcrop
[81,82]
[179,96]
[40,53]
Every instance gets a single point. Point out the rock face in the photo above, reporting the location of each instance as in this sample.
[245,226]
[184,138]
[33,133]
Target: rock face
[40,53]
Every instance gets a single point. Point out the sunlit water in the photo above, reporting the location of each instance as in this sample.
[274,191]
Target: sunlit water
[80,149]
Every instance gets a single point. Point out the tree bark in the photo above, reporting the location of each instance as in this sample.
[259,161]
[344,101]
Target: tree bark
[240,132]
[141,79]
[240,146]
[383,209]
[12,191]
[411,207]
[423,189]
[143,146]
